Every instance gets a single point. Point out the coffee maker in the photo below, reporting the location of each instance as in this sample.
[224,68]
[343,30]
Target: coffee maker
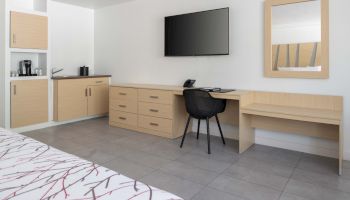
[25,68]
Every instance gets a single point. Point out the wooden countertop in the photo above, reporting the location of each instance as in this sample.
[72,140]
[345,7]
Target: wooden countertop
[294,113]
[178,90]
[79,77]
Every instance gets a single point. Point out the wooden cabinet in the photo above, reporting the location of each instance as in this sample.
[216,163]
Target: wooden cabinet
[77,98]
[28,31]
[98,99]
[153,111]
[71,99]
[29,102]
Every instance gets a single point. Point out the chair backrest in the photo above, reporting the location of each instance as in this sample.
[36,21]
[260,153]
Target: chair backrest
[200,104]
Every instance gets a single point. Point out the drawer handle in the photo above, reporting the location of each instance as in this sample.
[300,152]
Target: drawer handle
[154,97]
[14,90]
[153,110]
[122,118]
[122,106]
[99,81]
[153,124]
[122,94]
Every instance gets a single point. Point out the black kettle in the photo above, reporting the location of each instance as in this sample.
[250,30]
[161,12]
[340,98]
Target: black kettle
[84,71]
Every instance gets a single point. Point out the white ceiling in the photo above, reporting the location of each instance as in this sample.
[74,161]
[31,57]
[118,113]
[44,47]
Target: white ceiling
[94,4]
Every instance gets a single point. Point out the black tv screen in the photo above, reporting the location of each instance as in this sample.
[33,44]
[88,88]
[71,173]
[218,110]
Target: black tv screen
[198,34]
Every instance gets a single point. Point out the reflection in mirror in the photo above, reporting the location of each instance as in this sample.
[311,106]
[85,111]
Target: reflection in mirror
[296,37]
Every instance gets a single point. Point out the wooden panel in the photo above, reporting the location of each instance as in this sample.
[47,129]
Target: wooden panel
[123,93]
[71,99]
[98,100]
[123,118]
[297,127]
[246,135]
[155,96]
[305,54]
[124,105]
[155,110]
[153,123]
[282,56]
[29,102]
[334,103]
[29,31]
[294,113]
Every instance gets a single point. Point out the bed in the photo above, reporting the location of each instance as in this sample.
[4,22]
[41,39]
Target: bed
[32,170]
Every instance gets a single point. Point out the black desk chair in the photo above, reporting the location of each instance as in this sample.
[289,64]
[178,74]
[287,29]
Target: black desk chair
[201,105]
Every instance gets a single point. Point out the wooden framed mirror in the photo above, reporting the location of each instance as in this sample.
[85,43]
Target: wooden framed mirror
[297,38]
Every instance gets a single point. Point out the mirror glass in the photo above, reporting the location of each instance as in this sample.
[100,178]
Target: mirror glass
[296,37]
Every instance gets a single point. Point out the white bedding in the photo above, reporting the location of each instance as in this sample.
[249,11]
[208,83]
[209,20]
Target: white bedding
[31,170]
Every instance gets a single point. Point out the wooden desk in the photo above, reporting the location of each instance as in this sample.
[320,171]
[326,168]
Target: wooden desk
[160,110]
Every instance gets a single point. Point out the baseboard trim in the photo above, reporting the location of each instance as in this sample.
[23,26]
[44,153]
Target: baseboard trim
[51,124]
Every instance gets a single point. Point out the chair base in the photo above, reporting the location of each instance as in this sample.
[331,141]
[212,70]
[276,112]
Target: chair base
[208,131]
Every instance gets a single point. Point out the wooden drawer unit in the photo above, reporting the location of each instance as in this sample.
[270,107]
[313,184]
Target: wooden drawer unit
[124,105]
[147,110]
[155,96]
[123,93]
[123,118]
[155,110]
[157,124]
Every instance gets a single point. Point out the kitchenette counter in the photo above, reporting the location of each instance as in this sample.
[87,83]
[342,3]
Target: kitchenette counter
[79,77]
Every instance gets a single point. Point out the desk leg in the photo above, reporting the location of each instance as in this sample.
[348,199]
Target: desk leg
[246,132]
[341,148]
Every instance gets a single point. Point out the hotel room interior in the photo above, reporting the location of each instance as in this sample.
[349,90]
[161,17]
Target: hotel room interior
[174,99]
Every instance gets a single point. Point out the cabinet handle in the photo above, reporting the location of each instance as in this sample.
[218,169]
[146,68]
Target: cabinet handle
[90,91]
[122,106]
[14,90]
[14,38]
[122,94]
[86,92]
[122,118]
[99,81]
[154,110]
[154,97]
[153,124]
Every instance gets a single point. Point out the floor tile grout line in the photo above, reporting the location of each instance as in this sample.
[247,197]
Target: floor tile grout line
[290,176]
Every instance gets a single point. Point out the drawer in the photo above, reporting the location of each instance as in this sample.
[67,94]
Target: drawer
[157,124]
[155,110]
[123,117]
[97,81]
[124,105]
[155,96]
[123,93]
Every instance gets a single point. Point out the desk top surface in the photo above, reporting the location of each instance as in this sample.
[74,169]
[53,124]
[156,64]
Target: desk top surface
[177,90]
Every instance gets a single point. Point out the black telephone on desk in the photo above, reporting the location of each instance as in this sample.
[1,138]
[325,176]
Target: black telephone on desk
[189,83]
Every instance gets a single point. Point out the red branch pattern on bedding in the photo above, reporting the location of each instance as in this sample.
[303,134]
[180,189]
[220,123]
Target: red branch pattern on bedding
[32,170]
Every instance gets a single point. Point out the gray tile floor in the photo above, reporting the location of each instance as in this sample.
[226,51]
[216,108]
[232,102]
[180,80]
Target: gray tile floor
[262,173]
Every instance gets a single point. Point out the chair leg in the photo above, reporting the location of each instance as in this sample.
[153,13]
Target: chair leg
[183,137]
[199,125]
[208,136]
[222,136]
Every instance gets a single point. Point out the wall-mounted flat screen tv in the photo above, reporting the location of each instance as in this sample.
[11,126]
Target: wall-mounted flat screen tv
[198,34]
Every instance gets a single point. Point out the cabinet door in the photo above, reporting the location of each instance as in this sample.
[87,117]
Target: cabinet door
[28,31]
[71,99]
[29,102]
[98,100]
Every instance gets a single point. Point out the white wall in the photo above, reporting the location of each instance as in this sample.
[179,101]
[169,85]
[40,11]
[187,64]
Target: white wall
[2,63]
[72,37]
[288,34]
[129,44]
